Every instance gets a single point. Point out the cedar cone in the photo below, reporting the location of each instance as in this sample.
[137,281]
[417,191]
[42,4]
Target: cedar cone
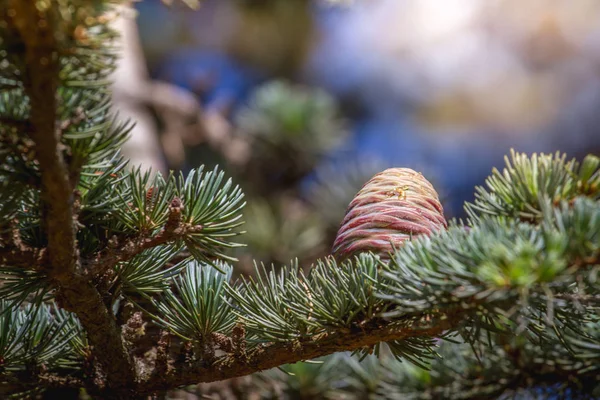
[391,207]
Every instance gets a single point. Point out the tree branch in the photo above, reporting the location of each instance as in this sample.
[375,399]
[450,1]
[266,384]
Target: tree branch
[75,293]
[25,381]
[236,363]
[277,354]
[171,232]
[40,78]
[15,253]
[26,259]
[13,123]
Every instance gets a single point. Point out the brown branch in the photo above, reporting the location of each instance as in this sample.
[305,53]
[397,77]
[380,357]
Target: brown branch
[240,363]
[116,253]
[277,354]
[47,380]
[110,257]
[15,253]
[74,292]
[26,259]
[24,381]
[40,77]
[18,124]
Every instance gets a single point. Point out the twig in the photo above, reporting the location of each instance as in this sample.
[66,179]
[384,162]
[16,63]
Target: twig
[23,381]
[15,253]
[28,259]
[276,354]
[111,256]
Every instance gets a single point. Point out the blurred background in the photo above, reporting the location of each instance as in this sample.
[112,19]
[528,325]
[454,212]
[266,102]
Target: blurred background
[303,101]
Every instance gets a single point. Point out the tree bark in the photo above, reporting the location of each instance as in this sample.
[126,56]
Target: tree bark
[74,292]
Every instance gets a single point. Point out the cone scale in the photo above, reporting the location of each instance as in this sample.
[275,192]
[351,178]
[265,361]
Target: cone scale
[392,207]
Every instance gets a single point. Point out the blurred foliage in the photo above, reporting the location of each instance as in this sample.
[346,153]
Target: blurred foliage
[334,188]
[282,229]
[273,35]
[289,129]
[288,140]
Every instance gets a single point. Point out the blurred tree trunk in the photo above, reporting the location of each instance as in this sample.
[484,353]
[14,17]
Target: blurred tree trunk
[129,87]
[167,117]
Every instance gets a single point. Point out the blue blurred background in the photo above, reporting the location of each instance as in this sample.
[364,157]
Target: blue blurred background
[302,101]
[444,87]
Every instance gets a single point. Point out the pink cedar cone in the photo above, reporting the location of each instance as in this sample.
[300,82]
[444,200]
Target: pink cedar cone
[390,208]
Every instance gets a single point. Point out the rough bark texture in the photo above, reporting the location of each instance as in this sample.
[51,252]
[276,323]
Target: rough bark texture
[21,258]
[277,354]
[40,77]
[75,292]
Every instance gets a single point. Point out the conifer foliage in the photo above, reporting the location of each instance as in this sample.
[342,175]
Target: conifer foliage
[117,281]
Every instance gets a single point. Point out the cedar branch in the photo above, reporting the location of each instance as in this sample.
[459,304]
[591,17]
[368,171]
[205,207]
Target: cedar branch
[75,292]
[277,354]
[26,259]
[173,231]
[15,253]
[25,381]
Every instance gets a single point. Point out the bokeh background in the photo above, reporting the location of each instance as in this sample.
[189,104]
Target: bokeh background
[302,101]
